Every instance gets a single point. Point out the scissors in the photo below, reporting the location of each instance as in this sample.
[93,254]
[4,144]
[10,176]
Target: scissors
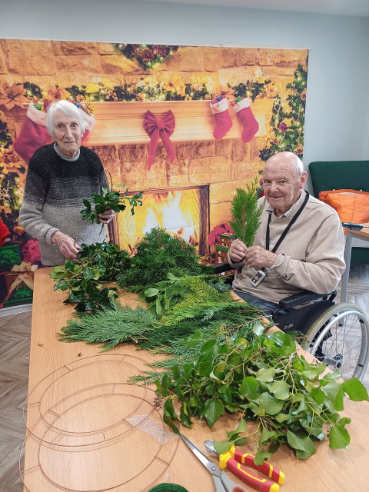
[221,481]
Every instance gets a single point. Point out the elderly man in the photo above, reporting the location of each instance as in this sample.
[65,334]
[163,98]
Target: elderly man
[298,246]
[60,176]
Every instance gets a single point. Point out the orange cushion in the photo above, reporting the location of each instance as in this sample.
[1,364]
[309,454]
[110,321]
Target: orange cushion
[351,205]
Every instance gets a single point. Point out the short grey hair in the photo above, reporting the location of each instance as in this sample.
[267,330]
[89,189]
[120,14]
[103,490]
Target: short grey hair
[67,108]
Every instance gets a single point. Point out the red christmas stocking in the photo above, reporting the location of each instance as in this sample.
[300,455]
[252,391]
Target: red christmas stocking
[33,134]
[247,119]
[223,122]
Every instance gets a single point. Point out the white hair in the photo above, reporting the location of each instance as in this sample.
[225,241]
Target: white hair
[288,158]
[298,165]
[67,108]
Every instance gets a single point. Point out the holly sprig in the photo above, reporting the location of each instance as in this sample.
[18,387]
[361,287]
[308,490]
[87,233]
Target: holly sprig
[86,277]
[109,200]
[266,381]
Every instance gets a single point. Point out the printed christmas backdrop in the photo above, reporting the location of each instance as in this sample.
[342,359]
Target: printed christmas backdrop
[186,125]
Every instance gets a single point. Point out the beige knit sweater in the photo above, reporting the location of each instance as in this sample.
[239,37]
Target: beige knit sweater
[309,258]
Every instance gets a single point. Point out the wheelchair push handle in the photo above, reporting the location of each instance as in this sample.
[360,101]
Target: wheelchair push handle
[352,226]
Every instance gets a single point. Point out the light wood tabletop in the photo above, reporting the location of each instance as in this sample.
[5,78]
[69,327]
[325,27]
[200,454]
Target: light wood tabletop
[89,430]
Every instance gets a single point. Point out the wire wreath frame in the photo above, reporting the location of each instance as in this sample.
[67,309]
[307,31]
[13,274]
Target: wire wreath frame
[115,389]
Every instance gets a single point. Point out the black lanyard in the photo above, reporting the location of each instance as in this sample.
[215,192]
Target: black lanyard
[284,233]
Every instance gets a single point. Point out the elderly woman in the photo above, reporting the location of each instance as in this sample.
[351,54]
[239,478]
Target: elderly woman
[60,176]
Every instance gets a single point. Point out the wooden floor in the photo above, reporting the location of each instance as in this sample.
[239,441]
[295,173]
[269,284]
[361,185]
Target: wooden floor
[14,359]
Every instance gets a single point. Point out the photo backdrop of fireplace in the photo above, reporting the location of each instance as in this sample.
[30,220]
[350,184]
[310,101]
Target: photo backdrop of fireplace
[189,180]
[184,212]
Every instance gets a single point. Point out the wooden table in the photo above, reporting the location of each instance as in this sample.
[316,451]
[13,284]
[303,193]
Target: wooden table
[363,234]
[82,422]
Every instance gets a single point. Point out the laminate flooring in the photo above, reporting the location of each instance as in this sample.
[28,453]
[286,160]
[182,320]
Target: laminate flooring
[15,332]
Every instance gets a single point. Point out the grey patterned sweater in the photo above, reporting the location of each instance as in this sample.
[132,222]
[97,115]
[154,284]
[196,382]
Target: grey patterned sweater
[53,198]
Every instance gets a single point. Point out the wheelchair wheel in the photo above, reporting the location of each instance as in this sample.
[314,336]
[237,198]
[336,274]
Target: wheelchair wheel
[339,338]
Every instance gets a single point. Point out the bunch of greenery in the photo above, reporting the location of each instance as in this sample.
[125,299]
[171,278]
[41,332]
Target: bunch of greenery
[182,295]
[213,314]
[85,277]
[109,200]
[158,254]
[288,398]
[111,328]
[246,213]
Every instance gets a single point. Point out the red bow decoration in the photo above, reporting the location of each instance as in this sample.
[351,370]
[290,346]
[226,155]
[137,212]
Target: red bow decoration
[156,129]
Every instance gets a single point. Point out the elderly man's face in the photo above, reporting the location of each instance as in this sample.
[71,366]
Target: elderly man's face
[282,185]
[67,133]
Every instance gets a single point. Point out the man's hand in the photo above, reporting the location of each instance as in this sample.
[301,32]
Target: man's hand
[67,246]
[257,257]
[237,251]
[107,216]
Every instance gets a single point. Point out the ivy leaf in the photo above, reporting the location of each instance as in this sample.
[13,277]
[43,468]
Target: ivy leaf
[249,388]
[271,405]
[265,375]
[280,338]
[314,371]
[208,351]
[338,436]
[282,417]
[222,447]
[310,449]
[225,394]
[295,442]
[213,409]
[240,441]
[242,426]
[267,436]
[261,456]
[318,395]
[280,389]
[334,393]
[355,390]
[332,375]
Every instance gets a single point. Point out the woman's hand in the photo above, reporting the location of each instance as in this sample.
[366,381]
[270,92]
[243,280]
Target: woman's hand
[67,245]
[107,216]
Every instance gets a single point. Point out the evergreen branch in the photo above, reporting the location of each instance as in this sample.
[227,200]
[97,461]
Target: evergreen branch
[246,213]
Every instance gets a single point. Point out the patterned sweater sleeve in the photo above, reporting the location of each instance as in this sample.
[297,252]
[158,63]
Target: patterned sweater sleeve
[31,212]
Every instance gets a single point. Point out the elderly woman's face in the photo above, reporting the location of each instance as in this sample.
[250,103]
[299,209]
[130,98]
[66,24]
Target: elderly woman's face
[67,133]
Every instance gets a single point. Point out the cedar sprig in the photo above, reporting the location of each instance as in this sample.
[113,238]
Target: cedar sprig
[246,213]
[109,327]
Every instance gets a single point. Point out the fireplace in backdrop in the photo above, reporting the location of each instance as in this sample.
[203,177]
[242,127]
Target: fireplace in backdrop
[183,212]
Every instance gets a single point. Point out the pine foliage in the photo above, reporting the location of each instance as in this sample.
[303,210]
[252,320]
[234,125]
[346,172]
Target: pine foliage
[158,254]
[246,213]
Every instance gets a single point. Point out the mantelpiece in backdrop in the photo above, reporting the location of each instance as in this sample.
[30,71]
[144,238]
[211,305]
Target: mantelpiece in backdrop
[226,110]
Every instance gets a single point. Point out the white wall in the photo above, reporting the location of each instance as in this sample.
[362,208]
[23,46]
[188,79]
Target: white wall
[337,112]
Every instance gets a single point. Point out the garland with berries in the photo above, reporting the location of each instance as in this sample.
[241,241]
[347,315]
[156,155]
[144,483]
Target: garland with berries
[146,55]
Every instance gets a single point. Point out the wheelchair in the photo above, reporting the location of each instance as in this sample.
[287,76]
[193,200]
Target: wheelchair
[335,334]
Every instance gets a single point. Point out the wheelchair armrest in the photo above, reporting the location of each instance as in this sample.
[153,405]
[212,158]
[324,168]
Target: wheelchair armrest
[302,298]
[222,267]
